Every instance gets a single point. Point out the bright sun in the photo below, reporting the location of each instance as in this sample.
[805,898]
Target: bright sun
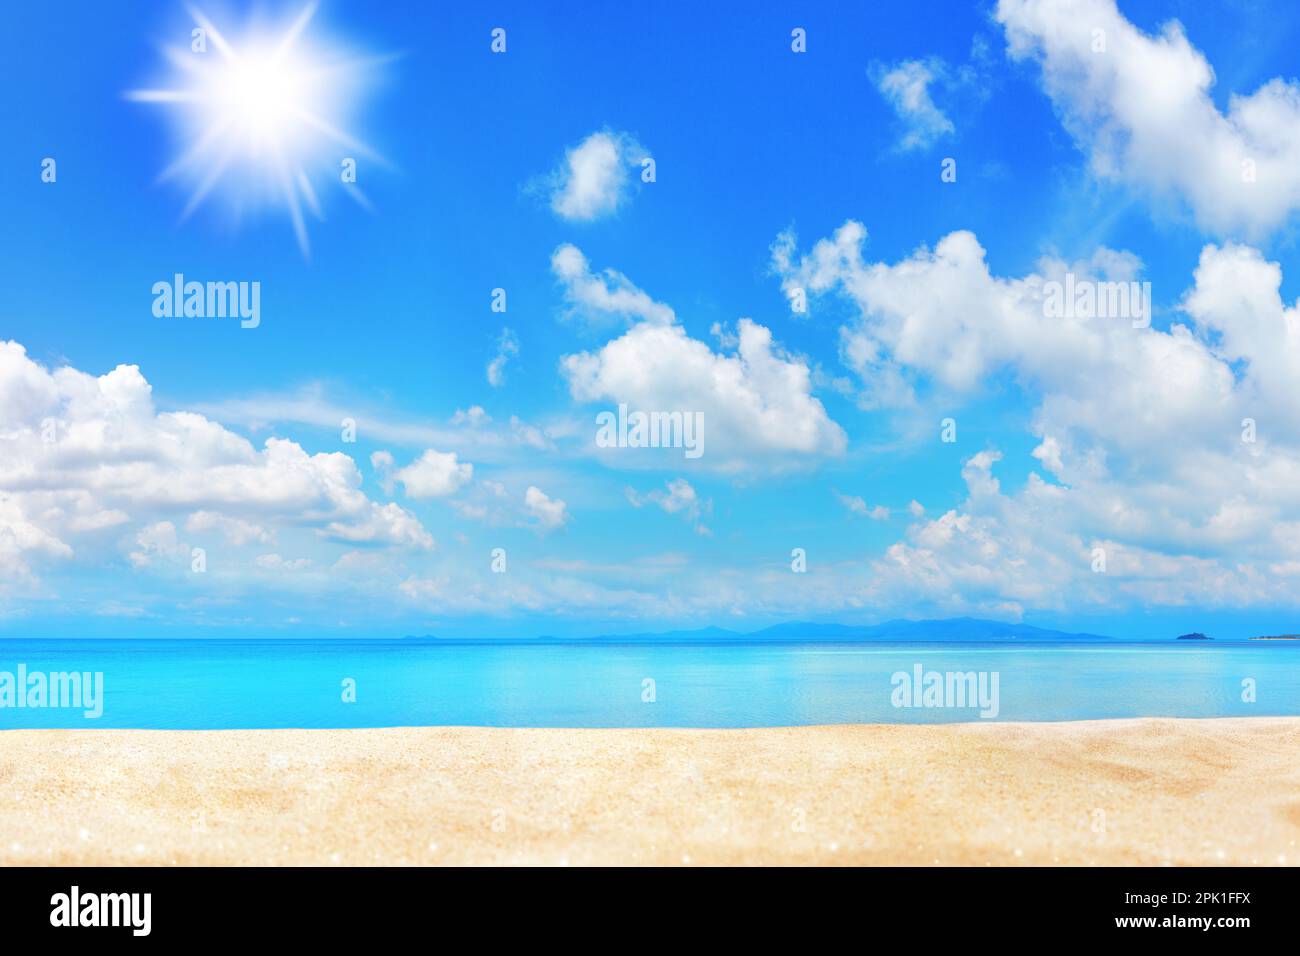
[259,117]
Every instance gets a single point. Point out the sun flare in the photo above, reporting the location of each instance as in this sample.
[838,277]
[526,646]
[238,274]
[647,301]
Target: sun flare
[261,117]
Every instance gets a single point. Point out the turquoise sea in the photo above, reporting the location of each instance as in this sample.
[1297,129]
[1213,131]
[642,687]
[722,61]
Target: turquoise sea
[208,684]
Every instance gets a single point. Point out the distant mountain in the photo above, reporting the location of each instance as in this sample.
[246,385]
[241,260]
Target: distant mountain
[949,630]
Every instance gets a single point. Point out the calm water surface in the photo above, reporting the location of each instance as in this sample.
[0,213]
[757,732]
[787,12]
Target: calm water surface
[206,684]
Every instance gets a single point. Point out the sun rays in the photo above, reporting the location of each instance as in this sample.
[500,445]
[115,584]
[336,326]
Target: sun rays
[261,117]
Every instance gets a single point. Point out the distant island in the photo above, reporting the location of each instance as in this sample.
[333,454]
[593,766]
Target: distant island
[1194,636]
[1277,637]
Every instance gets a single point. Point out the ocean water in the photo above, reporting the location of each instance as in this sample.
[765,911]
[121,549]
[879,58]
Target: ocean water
[210,684]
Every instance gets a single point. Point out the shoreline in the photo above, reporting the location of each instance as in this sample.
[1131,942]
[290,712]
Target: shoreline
[1143,791]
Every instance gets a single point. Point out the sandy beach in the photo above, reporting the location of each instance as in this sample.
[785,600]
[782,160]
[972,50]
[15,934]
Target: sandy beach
[1223,791]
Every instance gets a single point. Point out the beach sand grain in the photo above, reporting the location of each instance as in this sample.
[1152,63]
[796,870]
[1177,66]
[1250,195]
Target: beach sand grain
[1149,791]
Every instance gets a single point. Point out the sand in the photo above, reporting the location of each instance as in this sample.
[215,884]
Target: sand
[1098,792]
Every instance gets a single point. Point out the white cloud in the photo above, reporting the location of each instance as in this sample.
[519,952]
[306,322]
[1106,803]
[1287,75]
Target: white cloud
[1140,427]
[274,562]
[384,524]
[594,178]
[679,498]
[526,434]
[474,416]
[312,406]
[434,474]
[81,455]
[941,317]
[1004,554]
[1237,305]
[550,513]
[489,502]
[609,293]
[507,348]
[157,541]
[1141,109]
[236,531]
[1049,453]
[907,88]
[757,401]
[124,479]
[858,506]
[20,539]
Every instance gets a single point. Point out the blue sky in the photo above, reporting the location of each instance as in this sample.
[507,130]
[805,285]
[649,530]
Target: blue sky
[822,428]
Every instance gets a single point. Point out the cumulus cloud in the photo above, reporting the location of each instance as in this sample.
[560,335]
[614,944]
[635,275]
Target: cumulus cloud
[679,498]
[491,503]
[1140,107]
[550,513]
[236,531]
[594,178]
[1003,555]
[434,474]
[859,506]
[382,462]
[82,456]
[993,555]
[275,562]
[1141,429]
[388,523]
[756,401]
[21,539]
[906,86]
[1236,303]
[597,296]
[157,542]
[474,416]
[940,316]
